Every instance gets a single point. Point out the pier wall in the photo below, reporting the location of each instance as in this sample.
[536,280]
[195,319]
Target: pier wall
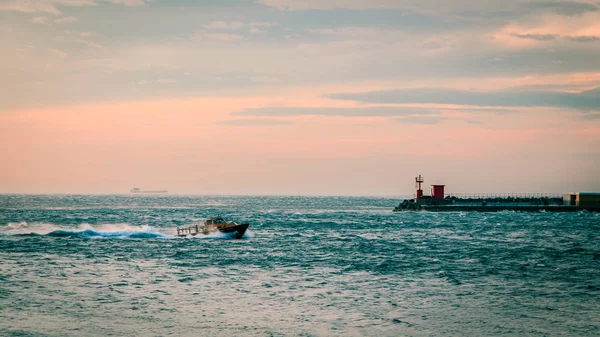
[496,203]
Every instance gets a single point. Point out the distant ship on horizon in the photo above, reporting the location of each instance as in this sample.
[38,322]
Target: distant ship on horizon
[138,190]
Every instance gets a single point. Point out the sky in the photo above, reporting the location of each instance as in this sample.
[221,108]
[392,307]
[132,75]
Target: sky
[292,97]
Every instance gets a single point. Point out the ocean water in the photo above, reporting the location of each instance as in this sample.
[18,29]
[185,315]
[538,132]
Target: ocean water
[309,266]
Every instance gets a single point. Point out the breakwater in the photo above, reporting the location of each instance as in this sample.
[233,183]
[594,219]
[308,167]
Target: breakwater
[494,203]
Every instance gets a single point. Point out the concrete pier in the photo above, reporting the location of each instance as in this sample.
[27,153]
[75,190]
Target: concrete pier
[458,208]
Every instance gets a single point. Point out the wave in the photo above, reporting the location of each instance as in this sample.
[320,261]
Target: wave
[120,231]
[89,233]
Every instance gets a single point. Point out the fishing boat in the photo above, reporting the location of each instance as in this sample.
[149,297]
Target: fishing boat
[213,225]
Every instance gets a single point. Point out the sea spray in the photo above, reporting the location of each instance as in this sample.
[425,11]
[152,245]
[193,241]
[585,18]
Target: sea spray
[120,230]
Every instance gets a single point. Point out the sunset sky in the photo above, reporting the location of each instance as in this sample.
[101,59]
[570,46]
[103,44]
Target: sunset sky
[315,97]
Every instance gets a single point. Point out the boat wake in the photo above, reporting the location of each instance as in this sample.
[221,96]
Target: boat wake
[90,233]
[117,231]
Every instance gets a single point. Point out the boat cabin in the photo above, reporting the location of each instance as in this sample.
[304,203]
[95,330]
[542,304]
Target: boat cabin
[211,224]
[215,221]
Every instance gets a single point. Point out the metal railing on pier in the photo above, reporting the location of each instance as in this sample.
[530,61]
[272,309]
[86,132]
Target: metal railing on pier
[504,195]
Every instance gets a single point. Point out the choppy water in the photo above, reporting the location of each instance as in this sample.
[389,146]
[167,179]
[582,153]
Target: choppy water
[109,265]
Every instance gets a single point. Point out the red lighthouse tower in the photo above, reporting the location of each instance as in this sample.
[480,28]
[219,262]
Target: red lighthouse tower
[418,181]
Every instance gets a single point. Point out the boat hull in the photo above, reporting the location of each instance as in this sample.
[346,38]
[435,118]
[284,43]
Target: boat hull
[239,230]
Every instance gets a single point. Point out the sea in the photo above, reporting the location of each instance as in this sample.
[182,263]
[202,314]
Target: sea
[85,265]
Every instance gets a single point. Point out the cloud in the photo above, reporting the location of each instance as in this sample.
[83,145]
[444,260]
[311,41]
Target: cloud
[254,122]
[583,38]
[590,117]
[376,111]
[323,51]
[51,6]
[89,44]
[483,9]
[294,5]
[129,2]
[382,111]
[224,25]
[430,6]
[66,19]
[498,111]
[39,20]
[553,37]
[568,8]
[42,6]
[259,27]
[537,37]
[511,98]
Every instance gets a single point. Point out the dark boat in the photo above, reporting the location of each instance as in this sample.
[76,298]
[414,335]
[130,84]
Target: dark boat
[212,225]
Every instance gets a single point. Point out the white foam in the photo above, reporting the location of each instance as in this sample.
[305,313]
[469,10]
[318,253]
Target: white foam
[16,228]
[23,227]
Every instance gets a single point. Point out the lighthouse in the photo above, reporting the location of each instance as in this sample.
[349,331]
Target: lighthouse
[418,181]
